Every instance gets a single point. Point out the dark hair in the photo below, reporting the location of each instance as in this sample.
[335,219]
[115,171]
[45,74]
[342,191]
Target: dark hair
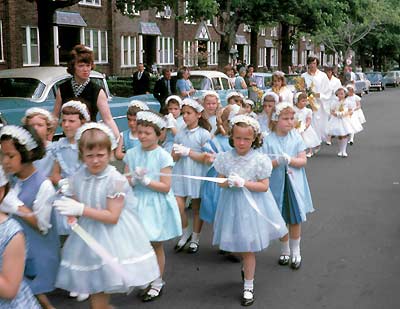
[133,110]
[80,53]
[165,70]
[69,110]
[311,59]
[146,123]
[28,156]
[93,138]
[173,101]
[301,96]
[258,140]
[203,121]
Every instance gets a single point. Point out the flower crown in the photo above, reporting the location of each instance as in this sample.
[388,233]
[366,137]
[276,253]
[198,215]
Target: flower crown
[279,73]
[82,108]
[211,93]
[247,120]
[271,94]
[151,117]
[3,177]
[98,126]
[176,98]
[23,136]
[41,111]
[194,104]
[139,104]
[279,108]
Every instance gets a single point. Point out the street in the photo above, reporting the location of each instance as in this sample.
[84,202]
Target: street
[350,244]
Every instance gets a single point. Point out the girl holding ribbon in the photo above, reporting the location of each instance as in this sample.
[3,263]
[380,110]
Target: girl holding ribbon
[247,217]
[103,201]
[288,179]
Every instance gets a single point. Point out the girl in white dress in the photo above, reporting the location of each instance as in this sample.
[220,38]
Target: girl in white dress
[103,201]
[355,104]
[340,124]
[304,115]
[279,87]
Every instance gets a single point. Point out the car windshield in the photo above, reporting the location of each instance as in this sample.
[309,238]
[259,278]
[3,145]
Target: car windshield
[374,76]
[21,87]
[263,81]
[201,83]
[390,74]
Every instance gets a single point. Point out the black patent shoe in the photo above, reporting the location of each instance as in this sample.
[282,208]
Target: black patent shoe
[150,296]
[295,262]
[179,247]
[284,259]
[193,247]
[232,257]
[246,301]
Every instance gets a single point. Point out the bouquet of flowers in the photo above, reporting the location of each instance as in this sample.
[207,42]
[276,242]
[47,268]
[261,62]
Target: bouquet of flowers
[300,85]
[259,105]
[299,125]
[341,111]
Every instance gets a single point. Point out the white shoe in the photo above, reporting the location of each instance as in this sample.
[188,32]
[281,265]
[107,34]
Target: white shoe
[73,294]
[328,143]
[82,297]
[340,154]
[309,155]
[344,154]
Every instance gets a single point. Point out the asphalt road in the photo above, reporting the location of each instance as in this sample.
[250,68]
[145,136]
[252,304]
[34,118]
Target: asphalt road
[350,244]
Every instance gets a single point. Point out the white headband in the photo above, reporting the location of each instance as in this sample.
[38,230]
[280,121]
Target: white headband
[279,73]
[139,104]
[234,94]
[247,120]
[82,108]
[279,108]
[23,136]
[174,97]
[248,101]
[271,94]
[151,117]
[98,126]
[350,86]
[211,93]
[234,110]
[41,111]
[3,177]
[341,88]
[194,104]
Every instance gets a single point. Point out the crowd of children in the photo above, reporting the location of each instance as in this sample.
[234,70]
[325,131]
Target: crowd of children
[241,172]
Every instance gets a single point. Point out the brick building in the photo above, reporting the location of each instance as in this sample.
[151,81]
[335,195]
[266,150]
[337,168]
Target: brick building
[120,42]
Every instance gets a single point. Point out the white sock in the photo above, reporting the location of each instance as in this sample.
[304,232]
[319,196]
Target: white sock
[295,247]
[352,137]
[185,236]
[157,286]
[248,284]
[285,249]
[341,143]
[344,145]
[195,237]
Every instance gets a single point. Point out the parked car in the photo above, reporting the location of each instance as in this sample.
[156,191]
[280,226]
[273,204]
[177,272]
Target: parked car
[28,87]
[377,80]
[263,80]
[360,86]
[211,80]
[392,78]
[364,78]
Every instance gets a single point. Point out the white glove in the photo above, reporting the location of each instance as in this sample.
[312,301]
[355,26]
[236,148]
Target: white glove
[11,202]
[234,180]
[65,187]
[69,207]
[171,121]
[181,150]
[284,159]
[140,175]
[339,114]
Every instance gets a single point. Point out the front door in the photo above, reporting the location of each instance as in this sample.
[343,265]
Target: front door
[68,37]
[150,49]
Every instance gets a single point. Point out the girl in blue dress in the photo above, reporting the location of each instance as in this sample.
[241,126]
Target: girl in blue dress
[14,291]
[128,138]
[247,216]
[288,180]
[190,160]
[174,121]
[212,105]
[156,205]
[104,203]
[269,100]
[45,124]
[20,147]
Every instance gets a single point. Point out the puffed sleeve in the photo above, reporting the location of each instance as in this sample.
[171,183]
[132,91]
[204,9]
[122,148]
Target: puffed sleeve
[42,206]
[165,159]
[263,167]
[300,145]
[117,185]
[220,163]
[205,137]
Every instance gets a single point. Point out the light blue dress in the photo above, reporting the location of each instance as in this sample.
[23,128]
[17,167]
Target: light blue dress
[45,165]
[158,211]
[213,121]
[238,227]
[183,85]
[195,139]
[296,188]
[238,82]
[24,298]
[169,139]
[263,120]
[129,141]
[210,191]
[81,269]
[67,156]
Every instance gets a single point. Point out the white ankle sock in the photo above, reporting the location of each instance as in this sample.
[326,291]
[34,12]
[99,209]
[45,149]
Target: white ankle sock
[285,249]
[344,145]
[158,283]
[248,284]
[195,237]
[295,246]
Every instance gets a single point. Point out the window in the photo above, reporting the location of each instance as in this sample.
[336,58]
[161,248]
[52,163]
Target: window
[295,56]
[166,13]
[262,54]
[98,42]
[130,9]
[30,46]
[90,2]
[1,42]
[246,28]
[165,50]
[212,51]
[274,32]
[128,51]
[274,57]
[188,19]
[304,57]
[246,54]
[189,53]
[262,31]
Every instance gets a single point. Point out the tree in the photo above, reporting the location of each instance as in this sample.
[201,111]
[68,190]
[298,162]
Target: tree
[45,10]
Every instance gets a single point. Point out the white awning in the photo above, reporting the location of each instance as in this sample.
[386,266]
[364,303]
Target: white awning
[241,40]
[149,28]
[68,19]
[269,43]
